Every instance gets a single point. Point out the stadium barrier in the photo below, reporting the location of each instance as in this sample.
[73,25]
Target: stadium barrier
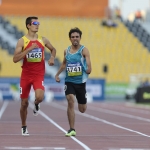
[9,90]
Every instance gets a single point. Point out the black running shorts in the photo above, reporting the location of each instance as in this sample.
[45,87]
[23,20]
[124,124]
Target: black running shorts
[77,89]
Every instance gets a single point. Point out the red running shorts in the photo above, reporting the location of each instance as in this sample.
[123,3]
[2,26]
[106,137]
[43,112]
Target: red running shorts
[26,82]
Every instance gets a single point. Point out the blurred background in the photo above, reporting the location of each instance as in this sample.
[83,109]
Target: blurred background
[116,32]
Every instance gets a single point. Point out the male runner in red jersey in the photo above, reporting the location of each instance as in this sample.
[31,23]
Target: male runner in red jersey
[30,48]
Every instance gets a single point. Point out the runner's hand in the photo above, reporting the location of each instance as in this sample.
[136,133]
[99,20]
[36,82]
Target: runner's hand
[57,78]
[51,61]
[88,71]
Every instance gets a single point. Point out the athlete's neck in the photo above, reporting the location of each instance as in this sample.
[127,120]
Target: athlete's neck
[32,36]
[75,48]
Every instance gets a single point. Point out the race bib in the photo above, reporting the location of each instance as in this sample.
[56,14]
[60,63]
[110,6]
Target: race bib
[74,69]
[35,55]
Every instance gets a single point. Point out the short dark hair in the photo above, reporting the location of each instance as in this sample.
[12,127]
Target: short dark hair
[75,30]
[29,19]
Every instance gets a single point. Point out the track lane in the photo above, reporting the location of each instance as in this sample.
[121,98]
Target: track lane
[97,135]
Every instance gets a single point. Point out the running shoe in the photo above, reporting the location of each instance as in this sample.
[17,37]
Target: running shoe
[36,109]
[71,132]
[24,131]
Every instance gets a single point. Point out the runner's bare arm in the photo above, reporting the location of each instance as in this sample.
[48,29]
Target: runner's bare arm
[86,54]
[52,49]
[19,54]
[62,67]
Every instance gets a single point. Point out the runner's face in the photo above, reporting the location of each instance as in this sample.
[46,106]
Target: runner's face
[34,25]
[75,39]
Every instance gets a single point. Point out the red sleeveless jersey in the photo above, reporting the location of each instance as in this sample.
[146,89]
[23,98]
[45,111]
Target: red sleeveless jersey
[33,62]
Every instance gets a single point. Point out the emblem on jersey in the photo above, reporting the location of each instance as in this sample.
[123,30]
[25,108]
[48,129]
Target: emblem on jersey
[65,87]
[43,83]
[85,95]
[20,90]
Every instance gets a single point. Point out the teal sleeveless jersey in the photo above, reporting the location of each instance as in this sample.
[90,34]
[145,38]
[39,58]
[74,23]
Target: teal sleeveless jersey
[76,67]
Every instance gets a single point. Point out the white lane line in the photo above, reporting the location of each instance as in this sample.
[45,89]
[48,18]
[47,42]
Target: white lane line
[59,127]
[3,108]
[126,108]
[138,106]
[101,120]
[118,114]
[36,148]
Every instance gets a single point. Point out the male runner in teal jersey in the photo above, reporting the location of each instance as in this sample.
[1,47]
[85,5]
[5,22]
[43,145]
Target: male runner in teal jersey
[78,65]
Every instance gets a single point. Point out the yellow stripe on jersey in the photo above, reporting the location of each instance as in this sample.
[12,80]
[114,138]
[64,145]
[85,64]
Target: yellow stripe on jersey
[26,41]
[41,40]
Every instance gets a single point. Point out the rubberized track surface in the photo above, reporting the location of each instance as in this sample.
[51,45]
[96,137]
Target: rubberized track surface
[104,126]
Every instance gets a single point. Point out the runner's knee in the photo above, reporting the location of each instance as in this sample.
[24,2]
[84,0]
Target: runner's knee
[70,99]
[82,108]
[39,98]
[24,104]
